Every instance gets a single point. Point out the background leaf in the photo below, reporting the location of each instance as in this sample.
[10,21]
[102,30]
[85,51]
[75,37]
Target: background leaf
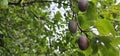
[4,4]
[105,27]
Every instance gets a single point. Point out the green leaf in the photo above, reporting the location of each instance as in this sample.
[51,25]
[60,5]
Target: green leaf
[91,13]
[105,27]
[115,42]
[109,51]
[83,22]
[95,1]
[4,4]
[57,17]
[94,46]
[106,40]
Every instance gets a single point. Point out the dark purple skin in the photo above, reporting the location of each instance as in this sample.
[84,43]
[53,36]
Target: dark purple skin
[83,43]
[82,5]
[72,25]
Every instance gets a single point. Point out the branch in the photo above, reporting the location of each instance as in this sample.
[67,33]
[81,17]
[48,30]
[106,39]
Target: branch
[76,18]
[35,1]
[82,29]
[71,6]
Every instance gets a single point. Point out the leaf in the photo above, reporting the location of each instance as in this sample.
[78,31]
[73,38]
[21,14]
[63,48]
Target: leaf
[4,4]
[106,40]
[109,51]
[83,22]
[95,2]
[57,17]
[94,46]
[105,27]
[91,13]
[115,42]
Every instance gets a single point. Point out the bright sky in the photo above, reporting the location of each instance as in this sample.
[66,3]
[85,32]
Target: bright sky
[118,1]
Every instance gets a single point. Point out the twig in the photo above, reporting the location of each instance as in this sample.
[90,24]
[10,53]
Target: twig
[81,28]
[72,9]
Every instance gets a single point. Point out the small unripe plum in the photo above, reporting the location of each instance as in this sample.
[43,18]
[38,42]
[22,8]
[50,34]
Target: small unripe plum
[72,25]
[82,5]
[83,43]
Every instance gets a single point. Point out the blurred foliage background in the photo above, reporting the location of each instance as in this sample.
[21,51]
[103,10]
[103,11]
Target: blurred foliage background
[40,28]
